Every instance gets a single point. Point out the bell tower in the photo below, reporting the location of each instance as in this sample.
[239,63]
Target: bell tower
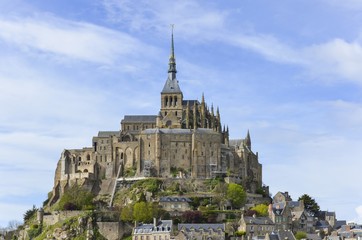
[171,95]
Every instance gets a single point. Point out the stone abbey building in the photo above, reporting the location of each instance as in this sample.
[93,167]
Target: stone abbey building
[185,140]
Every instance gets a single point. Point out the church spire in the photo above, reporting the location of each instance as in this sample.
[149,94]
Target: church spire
[171,85]
[172,60]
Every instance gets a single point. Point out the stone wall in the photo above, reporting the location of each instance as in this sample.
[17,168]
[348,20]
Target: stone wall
[54,217]
[111,230]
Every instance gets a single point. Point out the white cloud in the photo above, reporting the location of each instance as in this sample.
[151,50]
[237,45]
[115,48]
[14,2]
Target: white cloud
[336,57]
[77,40]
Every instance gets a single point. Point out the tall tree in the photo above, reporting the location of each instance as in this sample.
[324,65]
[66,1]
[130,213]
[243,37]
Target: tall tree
[309,203]
[142,212]
[261,210]
[236,194]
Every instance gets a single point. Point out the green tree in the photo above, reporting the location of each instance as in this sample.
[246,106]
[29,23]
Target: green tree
[300,235]
[236,194]
[30,213]
[142,212]
[76,198]
[309,203]
[261,210]
[127,213]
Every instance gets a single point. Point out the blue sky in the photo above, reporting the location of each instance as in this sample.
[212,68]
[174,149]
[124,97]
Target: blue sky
[288,71]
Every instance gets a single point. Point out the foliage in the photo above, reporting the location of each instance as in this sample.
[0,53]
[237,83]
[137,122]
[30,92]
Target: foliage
[130,172]
[30,213]
[309,204]
[34,231]
[240,233]
[220,191]
[76,198]
[236,194]
[300,235]
[191,217]
[150,185]
[127,238]
[261,210]
[127,213]
[143,212]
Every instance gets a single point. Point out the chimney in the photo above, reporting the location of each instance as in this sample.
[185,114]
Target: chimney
[154,222]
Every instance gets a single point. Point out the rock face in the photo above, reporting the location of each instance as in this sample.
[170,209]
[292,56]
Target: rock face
[85,225]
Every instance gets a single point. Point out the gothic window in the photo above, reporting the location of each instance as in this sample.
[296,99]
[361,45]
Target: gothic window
[175,101]
[166,102]
[80,159]
[88,157]
[122,155]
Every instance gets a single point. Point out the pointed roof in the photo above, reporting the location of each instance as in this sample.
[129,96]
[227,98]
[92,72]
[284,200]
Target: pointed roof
[171,85]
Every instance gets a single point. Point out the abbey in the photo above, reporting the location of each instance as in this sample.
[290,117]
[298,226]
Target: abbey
[184,140]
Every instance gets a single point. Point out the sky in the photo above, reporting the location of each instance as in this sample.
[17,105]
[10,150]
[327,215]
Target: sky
[290,72]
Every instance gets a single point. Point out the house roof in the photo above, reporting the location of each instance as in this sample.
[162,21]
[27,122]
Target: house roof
[282,235]
[201,226]
[258,220]
[175,199]
[108,133]
[161,226]
[139,118]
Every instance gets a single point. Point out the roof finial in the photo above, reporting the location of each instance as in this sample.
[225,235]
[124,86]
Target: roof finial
[172,62]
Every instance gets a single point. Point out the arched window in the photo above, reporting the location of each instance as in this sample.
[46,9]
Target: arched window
[79,158]
[121,155]
[88,157]
[175,102]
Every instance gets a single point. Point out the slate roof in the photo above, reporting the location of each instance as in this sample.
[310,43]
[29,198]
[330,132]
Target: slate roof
[191,102]
[167,131]
[293,204]
[258,220]
[171,86]
[175,199]
[178,131]
[278,208]
[162,226]
[108,133]
[198,226]
[281,235]
[139,118]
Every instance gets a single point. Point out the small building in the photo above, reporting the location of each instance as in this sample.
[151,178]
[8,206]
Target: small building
[201,231]
[175,205]
[256,226]
[280,213]
[160,230]
[280,235]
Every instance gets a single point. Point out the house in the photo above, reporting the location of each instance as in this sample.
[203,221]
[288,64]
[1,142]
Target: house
[160,230]
[201,231]
[302,221]
[280,235]
[280,213]
[282,197]
[256,226]
[175,205]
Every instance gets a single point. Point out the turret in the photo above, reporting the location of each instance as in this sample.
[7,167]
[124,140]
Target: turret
[248,140]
